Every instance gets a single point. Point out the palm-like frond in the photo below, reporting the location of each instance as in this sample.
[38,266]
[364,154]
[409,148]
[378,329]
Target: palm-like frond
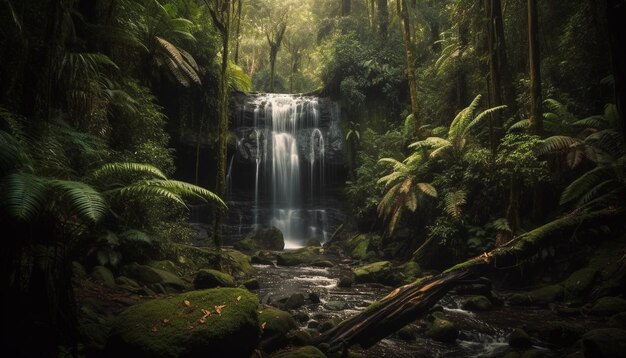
[237,78]
[133,235]
[179,65]
[83,200]
[427,189]
[141,189]
[463,118]
[608,140]
[23,195]
[430,142]
[11,152]
[524,124]
[482,115]
[185,189]
[591,122]
[586,183]
[125,169]
[454,202]
[557,143]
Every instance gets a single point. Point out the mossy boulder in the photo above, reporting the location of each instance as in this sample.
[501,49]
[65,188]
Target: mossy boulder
[103,275]
[179,326]
[617,321]
[477,303]
[357,246]
[166,265]
[208,278]
[294,301]
[154,277]
[605,342]
[190,259]
[302,352]
[275,324]
[322,263]
[538,297]
[607,306]
[519,339]
[579,283]
[442,330]
[345,281]
[561,333]
[411,271]
[251,284]
[380,272]
[269,238]
[306,255]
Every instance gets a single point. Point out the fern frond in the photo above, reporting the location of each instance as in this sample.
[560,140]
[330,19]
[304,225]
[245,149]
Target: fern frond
[238,79]
[186,189]
[430,142]
[439,151]
[520,125]
[386,203]
[608,140]
[557,143]
[84,200]
[460,123]
[133,235]
[23,195]
[594,193]
[591,122]
[574,157]
[140,189]
[390,178]
[584,184]
[454,202]
[481,116]
[125,168]
[177,63]
[427,189]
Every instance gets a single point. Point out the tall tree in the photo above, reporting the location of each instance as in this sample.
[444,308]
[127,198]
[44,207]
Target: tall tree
[405,29]
[237,11]
[220,11]
[383,17]
[274,28]
[536,122]
[346,6]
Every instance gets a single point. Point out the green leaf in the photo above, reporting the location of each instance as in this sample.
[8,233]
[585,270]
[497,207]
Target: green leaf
[23,195]
[84,200]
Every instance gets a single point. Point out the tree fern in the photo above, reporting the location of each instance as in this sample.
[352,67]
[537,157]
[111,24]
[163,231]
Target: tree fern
[125,169]
[454,202]
[23,195]
[585,183]
[179,63]
[557,143]
[237,78]
[186,189]
[83,200]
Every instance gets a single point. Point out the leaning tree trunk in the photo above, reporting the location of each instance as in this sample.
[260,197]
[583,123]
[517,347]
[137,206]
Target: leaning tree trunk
[399,308]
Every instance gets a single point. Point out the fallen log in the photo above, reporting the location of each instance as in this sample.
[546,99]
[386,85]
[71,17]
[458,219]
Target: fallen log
[400,307]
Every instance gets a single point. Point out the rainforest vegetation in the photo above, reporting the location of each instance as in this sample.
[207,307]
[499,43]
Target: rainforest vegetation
[472,150]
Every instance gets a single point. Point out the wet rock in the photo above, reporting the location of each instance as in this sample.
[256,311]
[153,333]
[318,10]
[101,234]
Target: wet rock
[322,263]
[299,337]
[261,261]
[301,317]
[314,297]
[191,259]
[303,352]
[579,283]
[168,327]
[327,325]
[411,271]
[335,305]
[305,255]
[477,303]
[442,330]
[207,278]
[561,333]
[165,265]
[379,272]
[269,238]
[313,324]
[617,321]
[275,325]
[605,342]
[539,297]
[519,339]
[251,284]
[478,289]
[345,282]
[607,306]
[408,333]
[151,276]
[294,301]
[103,275]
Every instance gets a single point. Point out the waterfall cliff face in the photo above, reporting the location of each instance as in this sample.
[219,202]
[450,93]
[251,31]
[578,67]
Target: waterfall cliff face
[291,143]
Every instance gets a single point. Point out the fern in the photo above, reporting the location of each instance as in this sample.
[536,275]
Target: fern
[454,202]
[584,184]
[135,236]
[187,189]
[180,68]
[427,189]
[84,200]
[125,169]
[23,195]
[557,143]
[524,124]
[237,78]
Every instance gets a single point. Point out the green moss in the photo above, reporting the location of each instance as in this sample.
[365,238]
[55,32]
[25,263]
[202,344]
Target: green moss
[263,239]
[579,283]
[208,278]
[303,352]
[103,275]
[372,307]
[152,276]
[477,303]
[607,306]
[276,321]
[381,272]
[169,327]
[305,255]
[539,297]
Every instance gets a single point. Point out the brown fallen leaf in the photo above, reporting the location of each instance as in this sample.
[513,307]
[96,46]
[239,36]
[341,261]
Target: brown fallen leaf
[263,325]
[238,298]
[218,309]
[187,303]
[206,313]
[201,321]
[165,321]
[154,328]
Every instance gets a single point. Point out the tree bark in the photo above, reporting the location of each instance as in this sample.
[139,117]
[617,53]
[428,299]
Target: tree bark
[237,32]
[346,6]
[536,122]
[405,29]
[383,18]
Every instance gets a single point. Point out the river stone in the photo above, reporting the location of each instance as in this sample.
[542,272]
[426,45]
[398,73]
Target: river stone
[607,306]
[380,272]
[257,260]
[579,283]
[275,324]
[539,297]
[269,238]
[174,326]
[322,263]
[408,333]
[617,321]
[165,265]
[519,339]
[252,284]
[303,352]
[335,305]
[561,333]
[152,276]
[477,303]
[345,282]
[207,278]
[605,342]
[314,297]
[305,255]
[442,330]
[301,317]
[103,275]
[294,301]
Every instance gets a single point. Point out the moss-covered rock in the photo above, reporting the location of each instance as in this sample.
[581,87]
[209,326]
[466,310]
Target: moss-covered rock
[152,276]
[322,263]
[607,306]
[103,275]
[477,303]
[275,324]
[251,284]
[442,330]
[605,342]
[539,297]
[269,238]
[166,265]
[335,305]
[294,301]
[617,321]
[190,259]
[208,278]
[357,246]
[519,339]
[306,255]
[179,326]
[411,271]
[302,352]
[345,281]
[381,272]
[579,283]
[561,333]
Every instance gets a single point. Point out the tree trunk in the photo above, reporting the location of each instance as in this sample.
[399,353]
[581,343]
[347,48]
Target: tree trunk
[237,32]
[383,18]
[512,211]
[405,29]
[536,122]
[346,6]
[273,54]
[616,13]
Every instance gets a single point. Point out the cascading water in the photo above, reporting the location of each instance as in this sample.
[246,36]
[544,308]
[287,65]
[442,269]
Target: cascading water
[287,138]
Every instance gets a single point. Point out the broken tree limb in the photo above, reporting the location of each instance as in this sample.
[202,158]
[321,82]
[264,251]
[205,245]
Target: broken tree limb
[400,307]
[531,242]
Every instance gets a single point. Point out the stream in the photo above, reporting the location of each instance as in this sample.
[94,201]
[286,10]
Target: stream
[482,334]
